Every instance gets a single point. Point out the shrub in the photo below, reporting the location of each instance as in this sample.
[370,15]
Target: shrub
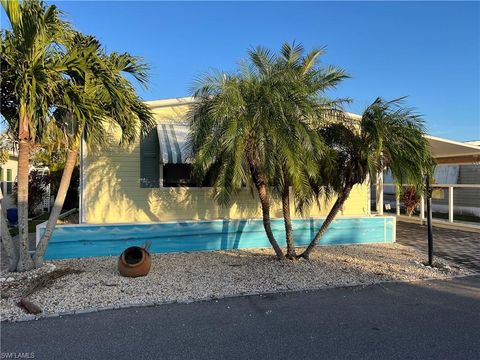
[410,199]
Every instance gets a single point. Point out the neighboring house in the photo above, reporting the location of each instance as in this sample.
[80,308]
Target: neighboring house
[150,181]
[8,175]
[8,178]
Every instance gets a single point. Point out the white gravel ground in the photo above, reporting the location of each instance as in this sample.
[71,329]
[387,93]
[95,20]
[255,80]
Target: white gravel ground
[185,277]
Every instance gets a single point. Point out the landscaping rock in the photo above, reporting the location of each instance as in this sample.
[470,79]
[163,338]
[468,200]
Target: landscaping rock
[186,277]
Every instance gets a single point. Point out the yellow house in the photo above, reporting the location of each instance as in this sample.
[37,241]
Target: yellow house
[131,196]
[148,182]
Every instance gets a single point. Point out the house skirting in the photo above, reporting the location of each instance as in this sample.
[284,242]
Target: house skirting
[78,241]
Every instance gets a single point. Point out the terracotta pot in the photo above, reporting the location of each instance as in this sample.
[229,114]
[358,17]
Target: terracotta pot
[134,261]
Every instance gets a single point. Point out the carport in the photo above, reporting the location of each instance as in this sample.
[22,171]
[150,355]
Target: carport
[445,152]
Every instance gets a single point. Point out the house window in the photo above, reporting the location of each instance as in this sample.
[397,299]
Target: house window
[175,175]
[165,158]
[180,175]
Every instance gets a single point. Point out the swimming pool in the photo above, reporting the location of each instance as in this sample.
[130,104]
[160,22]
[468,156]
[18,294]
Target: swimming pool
[77,241]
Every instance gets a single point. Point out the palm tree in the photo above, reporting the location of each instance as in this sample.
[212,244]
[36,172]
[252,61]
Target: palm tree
[58,80]
[261,117]
[388,137]
[112,102]
[32,66]
[306,108]
[255,127]
[231,132]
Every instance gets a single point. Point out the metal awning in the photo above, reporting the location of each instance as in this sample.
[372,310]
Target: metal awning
[447,151]
[172,138]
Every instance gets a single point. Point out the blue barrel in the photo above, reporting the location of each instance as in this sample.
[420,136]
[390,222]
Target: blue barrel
[12,216]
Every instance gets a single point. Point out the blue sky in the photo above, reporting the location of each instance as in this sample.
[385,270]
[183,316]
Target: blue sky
[429,51]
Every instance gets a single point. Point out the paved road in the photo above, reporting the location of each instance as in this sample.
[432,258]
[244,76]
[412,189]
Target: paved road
[422,320]
[462,247]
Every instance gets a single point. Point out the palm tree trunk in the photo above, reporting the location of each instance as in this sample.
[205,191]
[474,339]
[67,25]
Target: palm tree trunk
[326,224]
[288,221]
[57,207]
[7,241]
[265,203]
[25,261]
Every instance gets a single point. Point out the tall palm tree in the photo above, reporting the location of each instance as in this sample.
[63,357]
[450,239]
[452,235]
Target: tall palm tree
[306,107]
[231,131]
[255,127]
[111,101]
[32,66]
[388,137]
[52,76]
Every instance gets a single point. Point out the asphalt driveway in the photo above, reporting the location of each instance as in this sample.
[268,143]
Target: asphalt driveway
[420,320]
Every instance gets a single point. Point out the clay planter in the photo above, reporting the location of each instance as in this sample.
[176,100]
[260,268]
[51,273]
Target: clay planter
[134,261]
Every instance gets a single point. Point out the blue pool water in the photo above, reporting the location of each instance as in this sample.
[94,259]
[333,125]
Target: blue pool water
[76,241]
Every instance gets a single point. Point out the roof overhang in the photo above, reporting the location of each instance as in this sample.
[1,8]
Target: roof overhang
[170,102]
[446,151]
[188,100]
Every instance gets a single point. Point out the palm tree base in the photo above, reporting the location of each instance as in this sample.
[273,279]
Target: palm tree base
[304,256]
[25,265]
[291,256]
